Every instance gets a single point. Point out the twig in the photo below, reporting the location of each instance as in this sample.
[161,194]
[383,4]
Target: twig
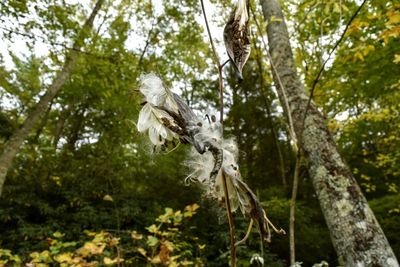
[297,25]
[297,148]
[321,70]
[285,103]
[216,58]
[219,66]
[247,233]
[38,38]
[221,101]
[230,221]
[293,210]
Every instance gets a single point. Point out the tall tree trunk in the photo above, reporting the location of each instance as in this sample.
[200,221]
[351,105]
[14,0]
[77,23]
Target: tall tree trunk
[356,235]
[12,147]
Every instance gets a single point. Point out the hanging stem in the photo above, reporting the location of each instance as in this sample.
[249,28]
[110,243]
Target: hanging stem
[322,68]
[221,96]
[296,145]
[230,221]
[221,102]
[215,55]
[219,66]
[292,218]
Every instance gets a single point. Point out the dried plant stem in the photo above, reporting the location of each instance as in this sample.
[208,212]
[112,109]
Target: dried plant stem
[221,102]
[322,68]
[215,55]
[218,64]
[293,211]
[296,145]
[247,234]
[221,95]
[230,221]
[284,101]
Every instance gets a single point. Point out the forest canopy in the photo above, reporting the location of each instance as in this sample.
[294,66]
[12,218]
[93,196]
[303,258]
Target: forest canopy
[85,187]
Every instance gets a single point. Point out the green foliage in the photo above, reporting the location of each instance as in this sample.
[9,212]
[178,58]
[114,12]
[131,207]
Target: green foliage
[387,211]
[84,166]
[165,244]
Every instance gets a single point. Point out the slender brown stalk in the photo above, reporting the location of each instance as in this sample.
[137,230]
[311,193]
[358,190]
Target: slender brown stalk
[284,100]
[292,218]
[221,95]
[296,146]
[322,68]
[221,99]
[230,221]
[218,64]
[215,55]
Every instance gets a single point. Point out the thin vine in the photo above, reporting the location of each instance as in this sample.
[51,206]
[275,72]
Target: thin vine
[221,99]
[296,146]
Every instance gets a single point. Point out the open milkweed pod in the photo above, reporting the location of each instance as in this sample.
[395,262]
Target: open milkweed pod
[152,87]
[237,37]
[253,209]
[229,171]
[208,137]
[201,166]
[159,116]
[152,119]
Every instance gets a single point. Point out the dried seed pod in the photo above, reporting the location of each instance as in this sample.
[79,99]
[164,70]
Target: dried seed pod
[237,37]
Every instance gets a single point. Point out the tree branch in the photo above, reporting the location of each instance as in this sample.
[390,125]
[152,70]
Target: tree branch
[321,70]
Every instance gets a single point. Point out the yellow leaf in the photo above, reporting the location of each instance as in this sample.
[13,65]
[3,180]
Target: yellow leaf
[359,56]
[108,261]
[394,18]
[186,263]
[156,260]
[65,257]
[273,18]
[152,241]
[327,9]
[108,198]
[393,32]
[169,211]
[34,255]
[136,235]
[396,59]
[58,234]
[91,248]
[142,251]
[56,179]
[368,49]
[168,245]
[336,8]
[89,233]
[152,229]
[113,242]
[192,207]
[355,26]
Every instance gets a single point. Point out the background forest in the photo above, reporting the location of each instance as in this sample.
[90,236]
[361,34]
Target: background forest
[85,187]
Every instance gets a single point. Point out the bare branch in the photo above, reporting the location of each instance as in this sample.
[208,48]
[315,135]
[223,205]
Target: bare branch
[321,70]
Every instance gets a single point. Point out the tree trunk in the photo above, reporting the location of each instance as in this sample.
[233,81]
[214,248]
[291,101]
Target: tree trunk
[13,145]
[356,235]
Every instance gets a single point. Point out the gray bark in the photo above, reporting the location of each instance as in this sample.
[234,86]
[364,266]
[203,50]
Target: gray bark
[13,145]
[356,235]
